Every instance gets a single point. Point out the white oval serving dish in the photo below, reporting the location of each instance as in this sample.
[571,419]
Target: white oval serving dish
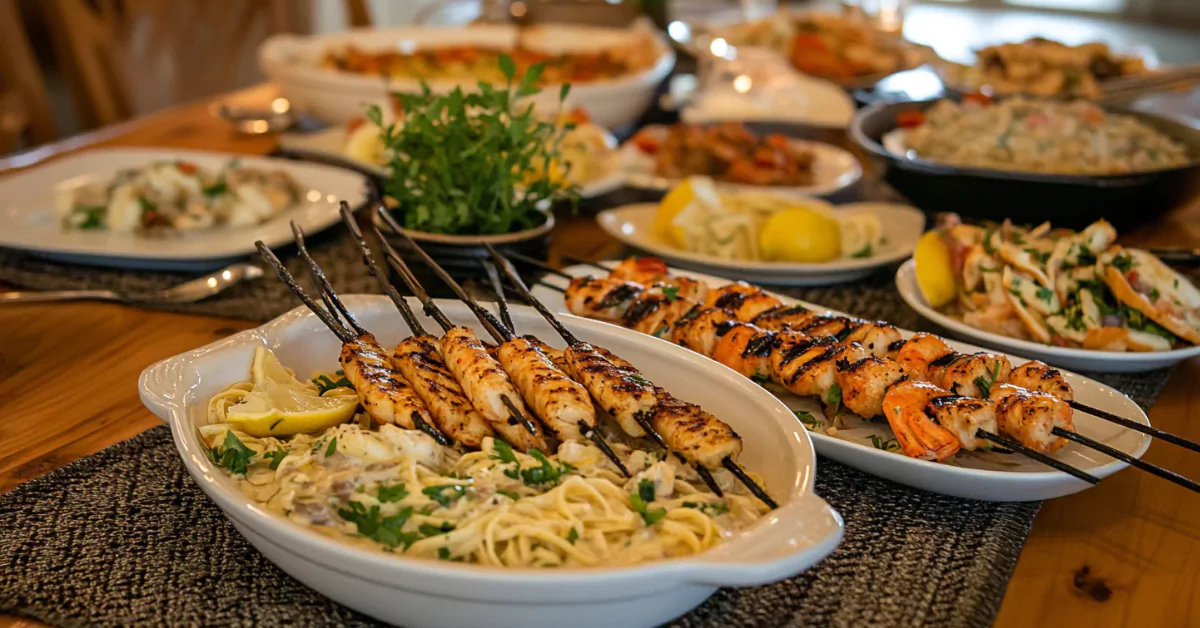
[27,220]
[439,594]
[632,225]
[334,96]
[986,476]
[1066,357]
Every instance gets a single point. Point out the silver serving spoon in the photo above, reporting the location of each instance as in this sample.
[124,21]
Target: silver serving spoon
[186,292]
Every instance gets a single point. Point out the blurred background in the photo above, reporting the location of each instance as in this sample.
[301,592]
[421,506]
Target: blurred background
[73,65]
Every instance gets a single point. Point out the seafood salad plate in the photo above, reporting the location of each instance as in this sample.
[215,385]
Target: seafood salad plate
[422,511]
[167,210]
[998,436]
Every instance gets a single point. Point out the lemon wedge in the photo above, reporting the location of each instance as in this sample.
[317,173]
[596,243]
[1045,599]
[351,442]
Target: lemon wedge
[281,405]
[677,200]
[935,273]
[365,144]
[800,234]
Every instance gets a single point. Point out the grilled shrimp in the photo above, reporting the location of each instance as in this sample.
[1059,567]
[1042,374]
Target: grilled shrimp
[919,436]
[864,383]
[1030,416]
[603,299]
[697,435]
[487,386]
[918,351]
[656,314]
[559,401]
[701,332]
[747,350]
[791,317]
[385,395]
[969,375]
[417,359]
[964,417]
[627,396]
[875,336]
[809,368]
[1040,377]
[730,296]
[643,270]
[819,326]
[681,288]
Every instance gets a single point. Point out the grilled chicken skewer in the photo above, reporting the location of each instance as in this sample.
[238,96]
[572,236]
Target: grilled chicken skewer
[560,402]
[929,424]
[685,429]
[653,272]
[479,375]
[418,359]
[385,394]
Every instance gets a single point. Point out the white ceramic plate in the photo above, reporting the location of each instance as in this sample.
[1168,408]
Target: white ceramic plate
[294,62]
[27,219]
[326,145]
[632,225]
[441,594]
[834,169]
[1080,359]
[986,476]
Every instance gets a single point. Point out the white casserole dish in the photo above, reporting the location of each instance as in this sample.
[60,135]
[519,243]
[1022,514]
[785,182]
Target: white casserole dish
[436,594]
[333,96]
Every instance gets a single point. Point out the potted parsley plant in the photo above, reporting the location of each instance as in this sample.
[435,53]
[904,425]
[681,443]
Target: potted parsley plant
[474,168]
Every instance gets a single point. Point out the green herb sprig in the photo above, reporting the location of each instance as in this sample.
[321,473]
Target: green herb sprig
[474,163]
[640,501]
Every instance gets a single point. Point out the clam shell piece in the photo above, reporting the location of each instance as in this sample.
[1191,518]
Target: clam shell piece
[1014,288]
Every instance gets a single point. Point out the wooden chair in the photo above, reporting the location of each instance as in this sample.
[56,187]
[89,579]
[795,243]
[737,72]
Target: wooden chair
[25,115]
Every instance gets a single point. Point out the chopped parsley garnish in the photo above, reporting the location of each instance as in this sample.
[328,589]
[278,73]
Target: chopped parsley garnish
[385,530]
[93,216]
[833,399]
[277,422]
[890,444]
[711,510]
[987,242]
[332,448]
[1045,294]
[393,493]
[443,553]
[216,189]
[444,494]
[324,384]
[502,451]
[807,419]
[984,382]
[1154,294]
[428,529]
[671,292]
[232,454]
[509,494]
[547,473]
[638,378]
[276,457]
[1017,293]
[572,536]
[146,205]
[865,251]
[1123,262]
[641,500]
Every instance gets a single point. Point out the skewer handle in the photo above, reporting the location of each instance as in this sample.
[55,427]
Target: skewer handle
[1009,443]
[1128,459]
[1137,427]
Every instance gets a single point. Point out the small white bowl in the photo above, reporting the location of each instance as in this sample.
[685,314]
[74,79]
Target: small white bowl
[440,594]
[1079,359]
[632,225]
[989,477]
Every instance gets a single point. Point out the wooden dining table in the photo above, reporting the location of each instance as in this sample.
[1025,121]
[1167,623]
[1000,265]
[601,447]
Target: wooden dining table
[1125,553]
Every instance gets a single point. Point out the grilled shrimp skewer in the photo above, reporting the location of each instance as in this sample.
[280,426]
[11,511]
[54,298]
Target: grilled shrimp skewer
[685,429]
[644,270]
[560,402]
[385,394]
[418,360]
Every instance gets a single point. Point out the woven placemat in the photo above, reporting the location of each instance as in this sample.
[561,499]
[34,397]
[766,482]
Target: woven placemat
[126,538]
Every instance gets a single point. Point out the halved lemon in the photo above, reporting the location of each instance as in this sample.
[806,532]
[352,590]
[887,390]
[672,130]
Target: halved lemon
[800,234]
[935,272]
[281,405]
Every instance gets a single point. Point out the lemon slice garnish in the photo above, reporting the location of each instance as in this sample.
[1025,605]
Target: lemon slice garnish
[935,273]
[281,405]
[800,234]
